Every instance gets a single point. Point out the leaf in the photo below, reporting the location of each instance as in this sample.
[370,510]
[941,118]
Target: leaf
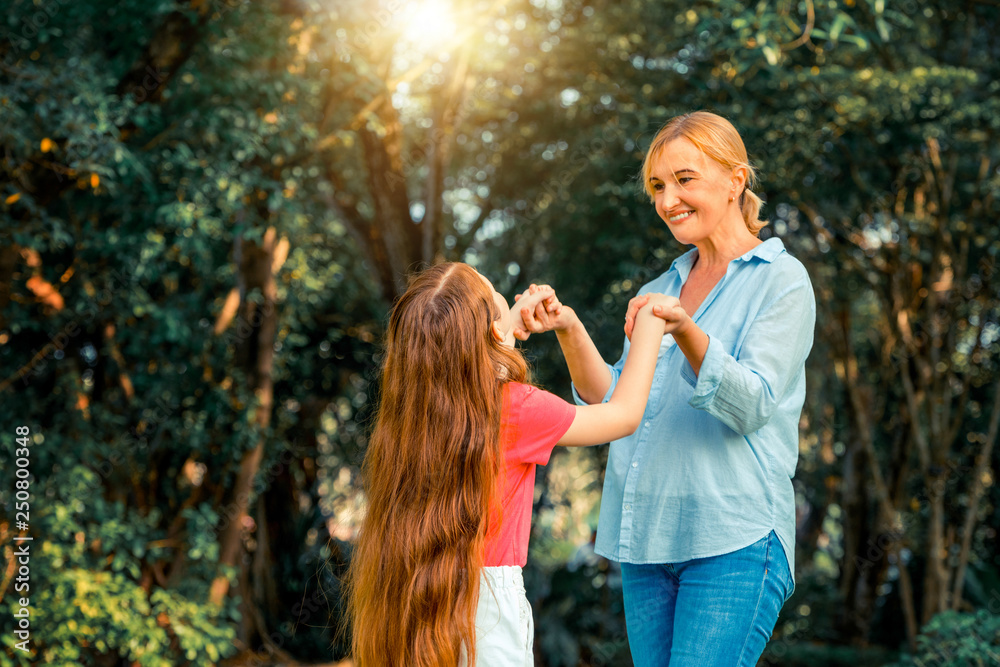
[837,27]
[858,40]
[883,28]
[47,145]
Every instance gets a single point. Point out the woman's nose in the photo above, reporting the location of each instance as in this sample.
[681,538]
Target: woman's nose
[669,199]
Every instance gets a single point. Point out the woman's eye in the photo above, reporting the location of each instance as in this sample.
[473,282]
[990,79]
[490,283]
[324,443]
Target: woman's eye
[657,187]
[683,179]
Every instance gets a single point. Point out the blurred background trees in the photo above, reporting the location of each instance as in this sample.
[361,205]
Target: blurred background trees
[208,207]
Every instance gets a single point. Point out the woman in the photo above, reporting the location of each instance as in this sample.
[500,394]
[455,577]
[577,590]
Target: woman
[698,504]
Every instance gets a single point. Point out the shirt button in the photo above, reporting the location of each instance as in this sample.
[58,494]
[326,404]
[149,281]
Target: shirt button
[635,464]
[627,506]
[648,423]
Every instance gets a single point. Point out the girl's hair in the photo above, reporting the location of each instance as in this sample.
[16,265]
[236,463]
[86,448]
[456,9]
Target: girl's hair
[718,139]
[432,474]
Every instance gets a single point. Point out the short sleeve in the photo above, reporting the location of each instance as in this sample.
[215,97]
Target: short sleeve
[542,418]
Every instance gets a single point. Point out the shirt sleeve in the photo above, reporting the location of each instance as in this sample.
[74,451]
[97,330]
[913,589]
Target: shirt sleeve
[545,418]
[743,392]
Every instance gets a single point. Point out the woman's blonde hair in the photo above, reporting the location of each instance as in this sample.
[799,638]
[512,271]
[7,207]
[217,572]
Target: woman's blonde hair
[718,139]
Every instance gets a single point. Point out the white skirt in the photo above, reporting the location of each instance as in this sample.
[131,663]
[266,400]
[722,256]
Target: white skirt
[505,630]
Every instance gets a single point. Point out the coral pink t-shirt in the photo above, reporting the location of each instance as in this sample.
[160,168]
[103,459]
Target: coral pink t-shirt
[531,425]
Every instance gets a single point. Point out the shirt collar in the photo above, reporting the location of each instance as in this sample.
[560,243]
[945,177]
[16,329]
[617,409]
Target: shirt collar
[766,251]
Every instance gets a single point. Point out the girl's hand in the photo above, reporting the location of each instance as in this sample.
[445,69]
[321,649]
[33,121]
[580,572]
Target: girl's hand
[533,298]
[667,308]
[540,315]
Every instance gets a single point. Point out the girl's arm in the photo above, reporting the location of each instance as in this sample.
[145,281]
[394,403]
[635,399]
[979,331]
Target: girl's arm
[620,416]
[691,340]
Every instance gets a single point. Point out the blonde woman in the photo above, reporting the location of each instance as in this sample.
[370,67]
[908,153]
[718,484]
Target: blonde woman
[698,504]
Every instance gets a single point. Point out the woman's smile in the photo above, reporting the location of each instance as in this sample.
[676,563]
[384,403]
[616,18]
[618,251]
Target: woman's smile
[677,217]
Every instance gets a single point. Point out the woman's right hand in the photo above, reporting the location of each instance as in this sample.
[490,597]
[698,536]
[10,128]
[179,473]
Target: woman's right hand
[548,315]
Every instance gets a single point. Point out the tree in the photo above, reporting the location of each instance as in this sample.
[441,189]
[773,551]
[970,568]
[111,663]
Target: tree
[208,208]
[173,457]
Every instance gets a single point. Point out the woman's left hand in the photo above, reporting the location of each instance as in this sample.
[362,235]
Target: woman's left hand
[668,308]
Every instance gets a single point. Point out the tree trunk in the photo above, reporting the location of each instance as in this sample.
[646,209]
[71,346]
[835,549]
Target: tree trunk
[909,605]
[857,563]
[394,236]
[864,555]
[445,117]
[979,471]
[389,239]
[166,52]
[9,255]
[936,574]
[257,266]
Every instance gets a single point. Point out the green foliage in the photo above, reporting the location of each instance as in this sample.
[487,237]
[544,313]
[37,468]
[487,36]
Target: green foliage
[81,614]
[86,596]
[579,613]
[129,202]
[954,639]
[140,413]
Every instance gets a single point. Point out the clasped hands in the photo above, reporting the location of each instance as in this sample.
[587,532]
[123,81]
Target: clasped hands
[548,314]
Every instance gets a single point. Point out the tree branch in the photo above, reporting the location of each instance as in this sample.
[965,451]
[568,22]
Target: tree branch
[975,494]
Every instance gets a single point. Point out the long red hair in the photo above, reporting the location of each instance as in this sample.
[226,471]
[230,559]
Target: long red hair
[431,473]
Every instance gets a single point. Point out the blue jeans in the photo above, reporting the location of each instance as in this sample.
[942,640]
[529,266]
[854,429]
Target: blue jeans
[706,612]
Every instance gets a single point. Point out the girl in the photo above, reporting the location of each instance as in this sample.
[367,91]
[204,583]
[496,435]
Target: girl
[435,578]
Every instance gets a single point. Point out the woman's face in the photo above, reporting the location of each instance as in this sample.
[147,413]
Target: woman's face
[691,192]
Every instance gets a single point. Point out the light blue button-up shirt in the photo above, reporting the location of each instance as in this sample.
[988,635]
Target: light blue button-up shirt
[710,469]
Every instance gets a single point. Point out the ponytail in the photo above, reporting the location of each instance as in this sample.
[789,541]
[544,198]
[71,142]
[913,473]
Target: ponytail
[750,205]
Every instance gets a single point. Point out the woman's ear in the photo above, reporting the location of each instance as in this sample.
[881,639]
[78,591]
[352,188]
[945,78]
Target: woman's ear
[739,179]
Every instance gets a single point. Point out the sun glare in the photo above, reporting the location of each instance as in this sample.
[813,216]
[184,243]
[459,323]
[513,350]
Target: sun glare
[430,23]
